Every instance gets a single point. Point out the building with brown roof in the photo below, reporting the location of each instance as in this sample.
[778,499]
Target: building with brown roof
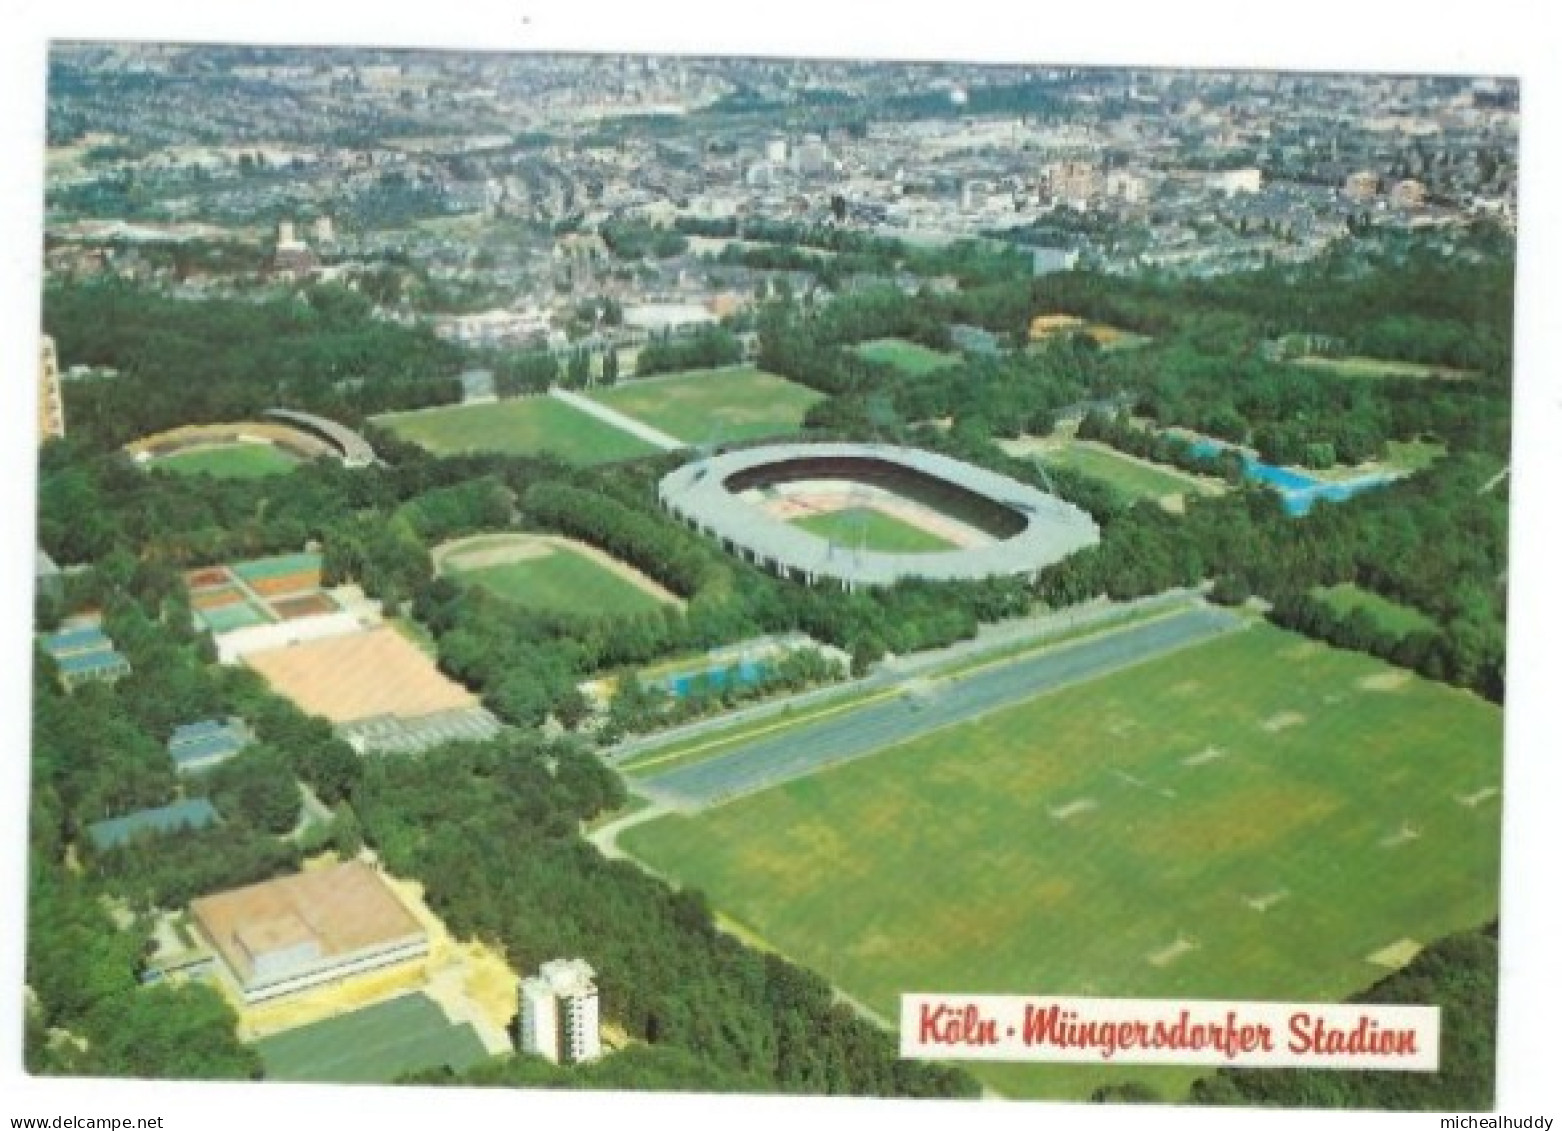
[288,934]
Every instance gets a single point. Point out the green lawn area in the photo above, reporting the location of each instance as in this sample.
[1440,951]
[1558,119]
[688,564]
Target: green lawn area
[734,404]
[1380,367]
[1251,818]
[911,357]
[873,530]
[372,1045]
[231,461]
[1132,479]
[561,581]
[1414,455]
[523,427]
[1390,615]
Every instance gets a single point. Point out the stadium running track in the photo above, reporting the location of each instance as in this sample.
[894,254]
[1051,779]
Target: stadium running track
[810,747]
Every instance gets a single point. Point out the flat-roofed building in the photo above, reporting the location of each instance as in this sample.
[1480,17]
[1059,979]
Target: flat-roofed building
[210,742]
[85,654]
[116,832]
[289,934]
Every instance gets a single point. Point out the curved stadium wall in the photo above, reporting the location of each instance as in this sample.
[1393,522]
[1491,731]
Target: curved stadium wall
[1031,528]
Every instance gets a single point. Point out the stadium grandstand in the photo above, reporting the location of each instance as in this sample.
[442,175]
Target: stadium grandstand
[1008,528]
[353,448]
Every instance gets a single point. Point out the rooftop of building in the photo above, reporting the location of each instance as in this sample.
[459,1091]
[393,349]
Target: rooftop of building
[341,910]
[191,813]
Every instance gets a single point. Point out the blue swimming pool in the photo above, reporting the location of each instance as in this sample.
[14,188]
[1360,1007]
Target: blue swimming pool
[746,673]
[1298,492]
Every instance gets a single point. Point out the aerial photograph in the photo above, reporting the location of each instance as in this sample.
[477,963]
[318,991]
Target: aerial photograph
[610,571]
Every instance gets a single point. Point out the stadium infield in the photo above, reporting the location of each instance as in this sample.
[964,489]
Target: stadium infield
[873,529]
[1258,816]
[375,1044]
[733,404]
[526,427]
[229,461]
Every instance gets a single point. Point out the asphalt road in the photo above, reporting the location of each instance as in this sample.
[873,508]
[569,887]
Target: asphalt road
[802,750]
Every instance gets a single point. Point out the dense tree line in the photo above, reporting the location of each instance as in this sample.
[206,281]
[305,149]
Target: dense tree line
[705,349]
[1161,447]
[1457,974]
[228,360]
[491,831]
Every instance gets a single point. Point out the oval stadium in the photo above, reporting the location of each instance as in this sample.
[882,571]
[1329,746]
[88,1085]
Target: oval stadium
[868,515]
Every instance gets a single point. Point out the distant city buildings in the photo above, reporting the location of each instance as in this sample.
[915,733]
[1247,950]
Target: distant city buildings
[1361,187]
[559,1013]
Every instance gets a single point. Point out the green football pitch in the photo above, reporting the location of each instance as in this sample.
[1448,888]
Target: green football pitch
[912,357]
[372,1045]
[560,581]
[1259,817]
[1131,477]
[730,404]
[524,427]
[230,461]
[872,530]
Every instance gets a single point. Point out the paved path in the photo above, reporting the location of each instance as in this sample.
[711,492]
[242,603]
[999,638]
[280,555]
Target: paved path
[606,838]
[925,706]
[654,436]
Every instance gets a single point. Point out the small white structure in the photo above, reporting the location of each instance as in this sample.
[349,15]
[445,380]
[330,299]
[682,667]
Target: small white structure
[559,1012]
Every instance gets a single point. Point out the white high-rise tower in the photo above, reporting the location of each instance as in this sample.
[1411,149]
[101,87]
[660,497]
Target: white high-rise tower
[560,1015]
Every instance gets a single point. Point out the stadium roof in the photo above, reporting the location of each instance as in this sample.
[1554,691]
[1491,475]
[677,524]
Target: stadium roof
[342,911]
[355,450]
[1053,529]
[191,813]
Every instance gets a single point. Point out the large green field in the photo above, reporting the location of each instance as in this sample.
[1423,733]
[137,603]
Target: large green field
[912,357]
[1132,478]
[873,530]
[734,404]
[1256,817]
[372,1045]
[529,426]
[230,461]
[560,581]
[1380,367]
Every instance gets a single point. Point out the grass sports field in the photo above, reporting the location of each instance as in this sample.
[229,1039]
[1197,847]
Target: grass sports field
[1379,367]
[911,357]
[559,580]
[873,530]
[231,461]
[735,404]
[1133,479]
[1391,616]
[529,426]
[1256,817]
[372,1045]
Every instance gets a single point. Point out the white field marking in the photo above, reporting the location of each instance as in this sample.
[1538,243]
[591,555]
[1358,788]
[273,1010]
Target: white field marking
[1471,800]
[1208,754]
[1276,723]
[1167,955]
[1064,812]
[1405,834]
[1262,903]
